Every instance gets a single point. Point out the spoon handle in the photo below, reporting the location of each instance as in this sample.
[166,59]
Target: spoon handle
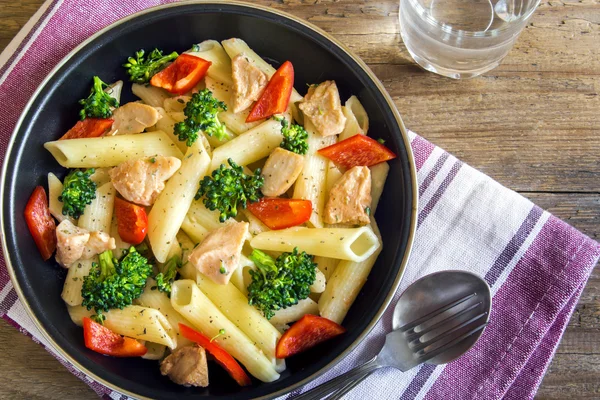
[337,395]
[328,387]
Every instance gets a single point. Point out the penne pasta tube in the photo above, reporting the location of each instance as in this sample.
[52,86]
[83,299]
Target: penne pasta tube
[109,151]
[351,127]
[155,351]
[78,313]
[249,147]
[172,204]
[97,216]
[167,125]
[237,121]
[359,112]
[120,245]
[220,90]
[379,174]
[318,285]
[255,225]
[345,284]
[294,313]
[311,184]
[212,51]
[354,244]
[187,270]
[195,306]
[150,95]
[141,323]
[114,90]
[326,265]
[234,305]
[161,302]
[71,293]
[193,229]
[55,188]
[241,276]
[333,175]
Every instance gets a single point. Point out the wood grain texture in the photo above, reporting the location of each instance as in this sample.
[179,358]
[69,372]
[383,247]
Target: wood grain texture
[532,124]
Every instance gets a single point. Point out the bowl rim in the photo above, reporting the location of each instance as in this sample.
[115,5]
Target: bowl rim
[318,31]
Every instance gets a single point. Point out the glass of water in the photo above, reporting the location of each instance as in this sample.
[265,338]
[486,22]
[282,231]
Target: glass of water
[462,38]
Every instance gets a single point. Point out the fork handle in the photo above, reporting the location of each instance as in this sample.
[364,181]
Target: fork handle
[321,391]
[337,395]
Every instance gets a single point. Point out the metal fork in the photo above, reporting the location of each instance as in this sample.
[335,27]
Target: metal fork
[416,342]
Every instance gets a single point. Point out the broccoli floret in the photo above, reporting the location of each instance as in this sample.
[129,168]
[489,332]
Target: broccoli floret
[98,104]
[164,280]
[114,283]
[295,137]
[141,69]
[229,188]
[281,283]
[201,115]
[78,191]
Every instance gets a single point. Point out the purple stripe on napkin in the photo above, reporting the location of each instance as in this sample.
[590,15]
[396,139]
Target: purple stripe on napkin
[439,192]
[421,151]
[433,173]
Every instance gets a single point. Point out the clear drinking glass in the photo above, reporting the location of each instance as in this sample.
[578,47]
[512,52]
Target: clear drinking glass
[462,38]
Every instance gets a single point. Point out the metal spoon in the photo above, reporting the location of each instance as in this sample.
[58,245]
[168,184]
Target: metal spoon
[436,320]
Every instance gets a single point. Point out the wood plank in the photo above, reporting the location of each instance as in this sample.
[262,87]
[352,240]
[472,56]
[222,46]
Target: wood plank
[30,372]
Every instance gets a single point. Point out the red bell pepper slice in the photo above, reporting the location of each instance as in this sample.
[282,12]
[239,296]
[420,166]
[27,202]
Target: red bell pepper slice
[275,98]
[132,221]
[279,213]
[88,128]
[357,150]
[181,76]
[222,357]
[309,331]
[104,341]
[40,223]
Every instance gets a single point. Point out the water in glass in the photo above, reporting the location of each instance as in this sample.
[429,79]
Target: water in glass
[462,38]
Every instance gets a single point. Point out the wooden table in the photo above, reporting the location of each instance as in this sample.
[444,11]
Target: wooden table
[533,124]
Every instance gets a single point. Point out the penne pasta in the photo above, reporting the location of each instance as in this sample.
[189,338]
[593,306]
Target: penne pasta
[120,245]
[326,265]
[161,302]
[311,184]
[294,313]
[345,284]
[155,351]
[175,104]
[141,323]
[150,95]
[249,147]
[110,151]
[78,313]
[318,285]
[193,229]
[195,306]
[237,121]
[167,125]
[354,244]
[114,90]
[379,174]
[255,225]
[212,51]
[173,203]
[359,112]
[55,188]
[100,176]
[241,276]
[71,293]
[97,216]
[234,305]
[351,127]
[220,90]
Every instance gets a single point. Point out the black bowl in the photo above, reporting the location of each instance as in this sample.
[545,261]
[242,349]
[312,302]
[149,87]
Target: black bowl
[53,109]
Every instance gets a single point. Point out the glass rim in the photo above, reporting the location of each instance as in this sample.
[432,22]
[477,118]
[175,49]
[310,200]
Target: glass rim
[484,33]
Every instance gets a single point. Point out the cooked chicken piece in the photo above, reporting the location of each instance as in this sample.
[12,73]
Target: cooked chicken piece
[98,243]
[141,181]
[322,106]
[248,82]
[186,366]
[219,253]
[133,118]
[350,198]
[281,171]
[74,243]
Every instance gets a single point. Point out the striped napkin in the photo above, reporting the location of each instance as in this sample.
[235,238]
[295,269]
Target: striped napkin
[535,264]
